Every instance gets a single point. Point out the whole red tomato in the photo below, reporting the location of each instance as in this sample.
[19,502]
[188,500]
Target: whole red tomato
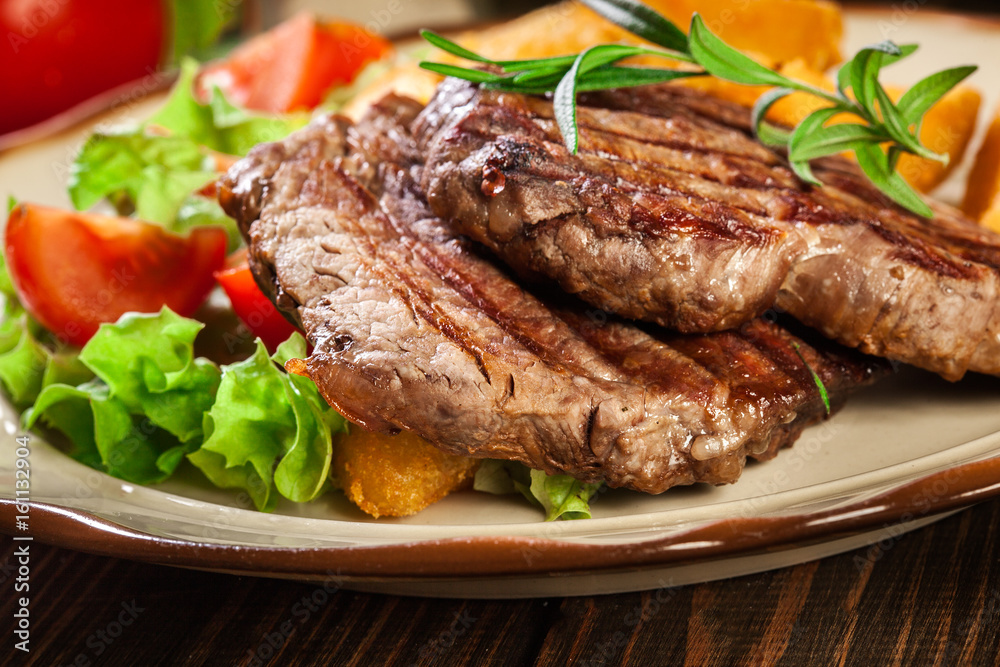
[56,53]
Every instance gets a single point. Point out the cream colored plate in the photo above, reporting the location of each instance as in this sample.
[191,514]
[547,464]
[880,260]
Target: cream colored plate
[900,455]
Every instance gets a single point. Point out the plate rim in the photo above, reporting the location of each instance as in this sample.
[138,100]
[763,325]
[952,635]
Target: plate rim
[946,490]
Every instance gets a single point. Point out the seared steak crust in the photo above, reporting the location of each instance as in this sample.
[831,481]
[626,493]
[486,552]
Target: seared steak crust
[673,213]
[413,329]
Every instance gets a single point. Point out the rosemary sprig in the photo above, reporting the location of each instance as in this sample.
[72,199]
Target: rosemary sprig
[886,129]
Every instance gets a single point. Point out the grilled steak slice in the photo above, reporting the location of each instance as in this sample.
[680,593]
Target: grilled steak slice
[673,213]
[413,329]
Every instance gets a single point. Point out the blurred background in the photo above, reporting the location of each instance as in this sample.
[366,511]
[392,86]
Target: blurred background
[55,54]
[416,13]
[502,8]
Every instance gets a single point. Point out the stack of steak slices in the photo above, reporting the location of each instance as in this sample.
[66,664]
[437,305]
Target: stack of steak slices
[416,327]
[673,213]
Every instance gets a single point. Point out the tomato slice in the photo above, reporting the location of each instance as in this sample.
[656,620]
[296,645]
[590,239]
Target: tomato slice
[251,305]
[74,271]
[293,65]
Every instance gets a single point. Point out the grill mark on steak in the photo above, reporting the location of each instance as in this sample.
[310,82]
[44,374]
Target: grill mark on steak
[413,328]
[651,100]
[672,213]
[705,154]
[496,308]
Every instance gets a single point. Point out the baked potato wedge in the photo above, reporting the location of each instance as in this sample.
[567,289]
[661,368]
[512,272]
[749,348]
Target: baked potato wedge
[395,475]
[775,31]
[983,186]
[947,128]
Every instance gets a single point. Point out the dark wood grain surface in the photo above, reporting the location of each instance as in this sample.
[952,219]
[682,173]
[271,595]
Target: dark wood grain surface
[931,597]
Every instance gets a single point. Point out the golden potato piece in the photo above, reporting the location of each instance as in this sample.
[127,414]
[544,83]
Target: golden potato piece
[556,30]
[947,128]
[774,30]
[793,109]
[991,219]
[395,475]
[780,30]
[984,180]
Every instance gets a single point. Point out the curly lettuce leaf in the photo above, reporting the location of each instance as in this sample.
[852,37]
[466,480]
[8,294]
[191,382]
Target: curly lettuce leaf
[269,432]
[143,412]
[197,24]
[31,364]
[153,174]
[154,169]
[559,496]
[562,496]
[106,435]
[148,363]
[245,428]
[306,464]
[22,366]
[218,124]
[136,401]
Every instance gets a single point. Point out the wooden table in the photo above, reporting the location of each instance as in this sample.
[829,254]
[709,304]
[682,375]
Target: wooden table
[930,598]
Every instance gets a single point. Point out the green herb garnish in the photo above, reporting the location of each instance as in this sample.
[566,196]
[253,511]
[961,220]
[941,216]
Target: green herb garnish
[823,393]
[886,129]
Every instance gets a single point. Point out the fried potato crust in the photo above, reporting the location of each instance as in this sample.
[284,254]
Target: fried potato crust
[947,129]
[775,30]
[396,475]
[983,187]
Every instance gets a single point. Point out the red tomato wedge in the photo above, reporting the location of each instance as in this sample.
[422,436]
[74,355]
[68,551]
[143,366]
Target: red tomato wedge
[249,303]
[74,271]
[292,66]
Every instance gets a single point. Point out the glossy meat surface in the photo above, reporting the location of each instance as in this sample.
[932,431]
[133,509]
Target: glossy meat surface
[673,213]
[414,328]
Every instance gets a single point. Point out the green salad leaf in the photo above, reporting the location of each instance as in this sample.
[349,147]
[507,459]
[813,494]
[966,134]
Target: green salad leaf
[269,431]
[142,412]
[148,363]
[559,496]
[197,24]
[22,362]
[144,402]
[562,496]
[218,124]
[106,434]
[154,174]
[155,170]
